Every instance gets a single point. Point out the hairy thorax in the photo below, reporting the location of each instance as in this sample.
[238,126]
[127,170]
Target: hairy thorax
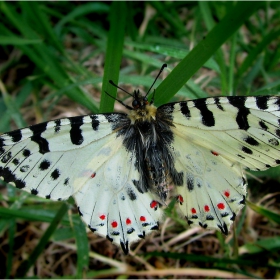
[148,113]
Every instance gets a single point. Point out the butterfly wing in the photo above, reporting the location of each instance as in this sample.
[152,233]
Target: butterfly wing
[214,139]
[83,157]
[112,205]
[45,159]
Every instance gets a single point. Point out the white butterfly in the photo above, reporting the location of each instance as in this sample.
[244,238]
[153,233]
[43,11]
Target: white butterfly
[119,167]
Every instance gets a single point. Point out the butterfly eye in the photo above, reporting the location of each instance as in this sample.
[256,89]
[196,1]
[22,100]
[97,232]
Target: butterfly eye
[135,104]
[145,100]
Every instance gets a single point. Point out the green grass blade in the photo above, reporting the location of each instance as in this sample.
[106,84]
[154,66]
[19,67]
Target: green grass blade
[12,236]
[82,248]
[26,265]
[252,56]
[206,13]
[204,50]
[264,212]
[114,52]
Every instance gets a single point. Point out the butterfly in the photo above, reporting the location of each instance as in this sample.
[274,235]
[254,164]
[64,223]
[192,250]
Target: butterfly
[120,168]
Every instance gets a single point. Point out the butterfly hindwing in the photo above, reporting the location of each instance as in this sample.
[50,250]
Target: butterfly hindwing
[111,205]
[213,190]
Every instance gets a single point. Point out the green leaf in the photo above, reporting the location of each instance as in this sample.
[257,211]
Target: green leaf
[204,50]
[26,265]
[114,52]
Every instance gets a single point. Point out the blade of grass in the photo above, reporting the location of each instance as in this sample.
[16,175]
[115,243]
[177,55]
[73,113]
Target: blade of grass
[204,50]
[12,233]
[252,56]
[82,248]
[206,13]
[44,58]
[79,11]
[26,265]
[264,212]
[114,52]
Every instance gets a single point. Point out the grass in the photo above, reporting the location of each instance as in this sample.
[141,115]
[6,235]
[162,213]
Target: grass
[52,66]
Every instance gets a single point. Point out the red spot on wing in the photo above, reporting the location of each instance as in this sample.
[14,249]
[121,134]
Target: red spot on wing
[221,206]
[206,208]
[114,224]
[142,219]
[193,211]
[128,221]
[227,193]
[214,153]
[92,175]
[154,204]
[180,199]
[102,217]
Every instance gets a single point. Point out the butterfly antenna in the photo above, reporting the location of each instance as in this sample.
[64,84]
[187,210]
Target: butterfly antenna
[161,69]
[126,106]
[113,84]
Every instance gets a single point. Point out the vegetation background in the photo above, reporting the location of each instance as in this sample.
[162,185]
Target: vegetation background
[55,61]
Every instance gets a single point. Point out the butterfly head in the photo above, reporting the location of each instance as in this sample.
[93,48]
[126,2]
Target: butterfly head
[139,101]
[142,109]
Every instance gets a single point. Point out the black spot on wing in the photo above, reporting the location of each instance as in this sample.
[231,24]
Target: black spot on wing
[44,165]
[224,214]
[125,247]
[190,182]
[273,141]
[57,125]
[232,218]
[130,230]
[15,161]
[243,112]
[80,213]
[34,191]
[277,132]
[2,150]
[131,194]
[55,174]
[48,196]
[24,168]
[263,125]
[26,153]
[95,122]
[203,225]
[247,150]
[15,135]
[207,115]
[217,102]
[66,181]
[185,109]
[251,141]
[10,177]
[6,157]
[178,178]
[209,218]
[76,134]
[91,228]
[261,102]
[223,228]
[37,130]
[277,161]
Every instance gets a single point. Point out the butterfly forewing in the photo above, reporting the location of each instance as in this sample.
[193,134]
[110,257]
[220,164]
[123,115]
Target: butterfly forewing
[242,129]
